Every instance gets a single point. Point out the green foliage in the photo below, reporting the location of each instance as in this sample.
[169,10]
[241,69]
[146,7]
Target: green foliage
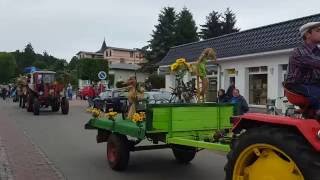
[229,21]
[218,25]
[156,81]
[73,63]
[186,29]
[163,37]
[29,58]
[120,84]
[7,67]
[171,30]
[212,27]
[89,68]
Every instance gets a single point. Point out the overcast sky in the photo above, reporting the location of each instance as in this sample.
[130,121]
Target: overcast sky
[64,27]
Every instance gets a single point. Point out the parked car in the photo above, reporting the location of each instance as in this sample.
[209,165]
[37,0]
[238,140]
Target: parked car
[157,97]
[111,98]
[83,93]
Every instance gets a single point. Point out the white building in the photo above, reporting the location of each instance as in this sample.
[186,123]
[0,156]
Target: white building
[256,60]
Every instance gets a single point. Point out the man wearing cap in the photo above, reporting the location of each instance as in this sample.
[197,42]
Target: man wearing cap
[304,66]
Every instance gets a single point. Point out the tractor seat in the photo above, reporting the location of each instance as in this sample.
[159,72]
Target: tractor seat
[296,99]
[301,101]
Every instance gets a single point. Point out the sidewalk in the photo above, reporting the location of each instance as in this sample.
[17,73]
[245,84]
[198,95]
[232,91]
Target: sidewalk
[5,171]
[20,158]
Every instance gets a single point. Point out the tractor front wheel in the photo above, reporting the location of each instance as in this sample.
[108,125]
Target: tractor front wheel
[271,153]
[55,106]
[118,152]
[36,106]
[64,106]
[184,154]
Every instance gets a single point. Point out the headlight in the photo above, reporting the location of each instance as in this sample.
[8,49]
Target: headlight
[40,93]
[318,134]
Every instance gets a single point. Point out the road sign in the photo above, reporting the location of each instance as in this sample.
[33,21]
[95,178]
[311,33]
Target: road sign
[102,75]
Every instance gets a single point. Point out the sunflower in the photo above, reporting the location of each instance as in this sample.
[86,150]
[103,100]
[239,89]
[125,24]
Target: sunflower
[111,115]
[181,60]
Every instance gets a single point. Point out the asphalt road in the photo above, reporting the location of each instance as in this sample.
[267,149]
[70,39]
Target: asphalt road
[74,152]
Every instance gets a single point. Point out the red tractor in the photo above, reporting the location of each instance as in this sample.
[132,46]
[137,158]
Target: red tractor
[276,147]
[44,91]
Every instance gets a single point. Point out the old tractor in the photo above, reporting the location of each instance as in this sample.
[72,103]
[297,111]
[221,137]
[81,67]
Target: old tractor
[44,91]
[276,147]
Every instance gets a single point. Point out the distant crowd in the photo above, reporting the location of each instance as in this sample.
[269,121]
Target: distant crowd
[8,91]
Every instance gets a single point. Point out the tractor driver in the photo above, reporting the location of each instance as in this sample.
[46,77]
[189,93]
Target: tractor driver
[304,66]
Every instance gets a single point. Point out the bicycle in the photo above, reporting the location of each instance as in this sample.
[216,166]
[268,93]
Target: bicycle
[280,106]
[183,93]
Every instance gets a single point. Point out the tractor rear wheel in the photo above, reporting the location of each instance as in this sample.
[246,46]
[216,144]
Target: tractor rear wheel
[118,152]
[184,154]
[64,106]
[271,153]
[36,106]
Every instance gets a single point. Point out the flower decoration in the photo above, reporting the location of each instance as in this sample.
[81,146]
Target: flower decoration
[89,110]
[138,117]
[96,112]
[111,115]
[180,65]
[142,115]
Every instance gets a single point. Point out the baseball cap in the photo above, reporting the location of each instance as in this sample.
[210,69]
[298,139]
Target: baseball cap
[304,28]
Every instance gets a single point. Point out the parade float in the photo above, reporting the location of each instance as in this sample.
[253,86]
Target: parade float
[258,146]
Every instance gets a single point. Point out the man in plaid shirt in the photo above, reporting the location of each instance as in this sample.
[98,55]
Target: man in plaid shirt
[304,66]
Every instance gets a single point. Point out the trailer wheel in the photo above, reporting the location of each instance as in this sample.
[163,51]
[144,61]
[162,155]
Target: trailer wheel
[64,106]
[36,106]
[272,153]
[118,152]
[184,154]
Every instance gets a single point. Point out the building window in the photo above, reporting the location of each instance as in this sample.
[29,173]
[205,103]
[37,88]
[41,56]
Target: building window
[110,53]
[106,53]
[284,67]
[122,60]
[258,88]
[131,54]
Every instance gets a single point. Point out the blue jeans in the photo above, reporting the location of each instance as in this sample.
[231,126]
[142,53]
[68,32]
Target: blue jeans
[312,92]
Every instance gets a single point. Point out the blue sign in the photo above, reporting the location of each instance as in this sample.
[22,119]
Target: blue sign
[30,69]
[102,75]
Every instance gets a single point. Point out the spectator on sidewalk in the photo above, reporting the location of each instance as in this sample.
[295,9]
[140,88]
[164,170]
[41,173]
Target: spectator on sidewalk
[229,93]
[240,101]
[222,97]
[91,95]
[69,91]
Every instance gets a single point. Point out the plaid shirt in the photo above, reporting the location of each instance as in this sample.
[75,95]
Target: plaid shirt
[304,65]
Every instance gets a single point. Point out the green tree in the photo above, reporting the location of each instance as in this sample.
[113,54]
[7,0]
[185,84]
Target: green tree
[89,68]
[212,27]
[73,63]
[40,64]
[186,29]
[229,21]
[163,37]
[7,67]
[156,81]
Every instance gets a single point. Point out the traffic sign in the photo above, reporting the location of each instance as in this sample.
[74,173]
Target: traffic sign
[102,75]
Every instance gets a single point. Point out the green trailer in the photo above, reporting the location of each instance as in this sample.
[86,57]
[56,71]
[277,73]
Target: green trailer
[185,128]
